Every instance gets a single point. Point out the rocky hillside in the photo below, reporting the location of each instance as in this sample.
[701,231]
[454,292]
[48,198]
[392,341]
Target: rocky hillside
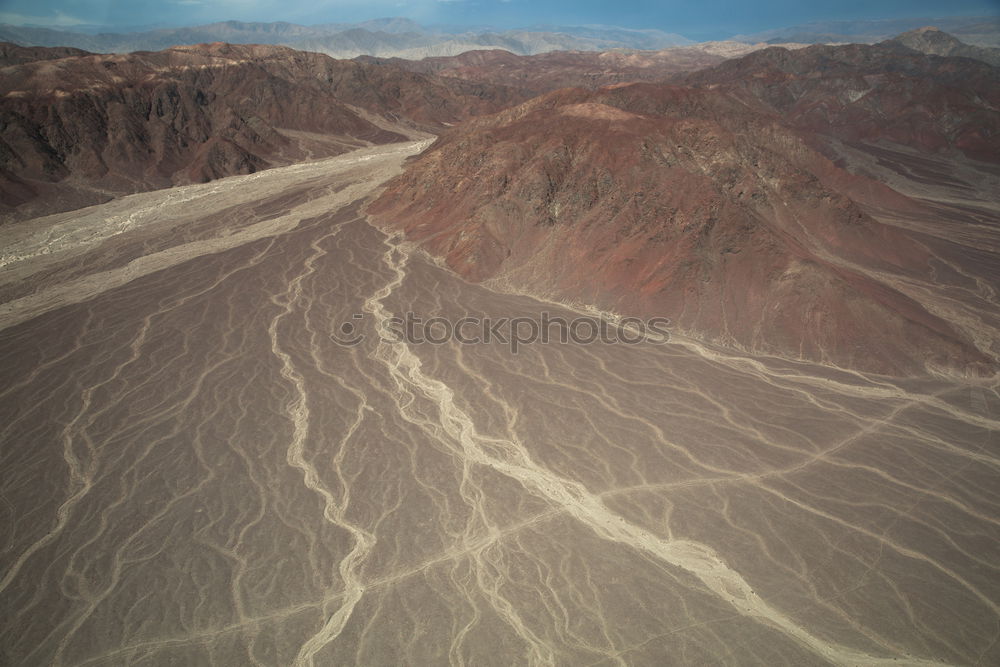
[657,199]
[77,130]
[12,54]
[856,92]
[563,69]
[560,69]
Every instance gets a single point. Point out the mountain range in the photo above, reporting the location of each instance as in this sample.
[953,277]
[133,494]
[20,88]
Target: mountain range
[752,195]
[934,41]
[727,201]
[77,130]
[394,37]
[545,72]
[977,30]
[404,38]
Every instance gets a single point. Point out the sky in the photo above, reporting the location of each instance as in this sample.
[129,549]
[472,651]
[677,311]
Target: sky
[698,19]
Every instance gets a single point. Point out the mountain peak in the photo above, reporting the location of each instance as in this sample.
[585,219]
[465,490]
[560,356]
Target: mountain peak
[933,41]
[928,33]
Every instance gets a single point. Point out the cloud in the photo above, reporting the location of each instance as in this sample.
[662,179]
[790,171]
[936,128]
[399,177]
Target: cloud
[56,19]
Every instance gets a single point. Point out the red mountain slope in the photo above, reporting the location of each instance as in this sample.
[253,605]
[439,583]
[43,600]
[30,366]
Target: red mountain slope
[79,129]
[653,199]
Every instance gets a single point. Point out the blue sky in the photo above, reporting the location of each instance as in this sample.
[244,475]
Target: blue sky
[699,19]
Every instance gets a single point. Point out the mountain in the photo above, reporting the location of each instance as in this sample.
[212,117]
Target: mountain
[858,92]
[81,129]
[981,30]
[560,69]
[391,37]
[235,32]
[933,41]
[714,204]
[12,54]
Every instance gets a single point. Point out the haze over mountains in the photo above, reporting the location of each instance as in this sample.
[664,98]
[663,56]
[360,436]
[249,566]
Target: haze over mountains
[560,69]
[404,38]
[981,31]
[937,42]
[383,37]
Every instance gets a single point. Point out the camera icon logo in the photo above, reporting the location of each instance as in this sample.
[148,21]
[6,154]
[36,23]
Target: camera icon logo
[347,333]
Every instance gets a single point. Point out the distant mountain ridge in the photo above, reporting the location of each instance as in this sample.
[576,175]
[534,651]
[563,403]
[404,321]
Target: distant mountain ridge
[545,72]
[933,41]
[860,92]
[392,37]
[11,54]
[977,30]
[397,37]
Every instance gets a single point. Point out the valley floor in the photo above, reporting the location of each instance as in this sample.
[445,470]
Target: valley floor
[195,472]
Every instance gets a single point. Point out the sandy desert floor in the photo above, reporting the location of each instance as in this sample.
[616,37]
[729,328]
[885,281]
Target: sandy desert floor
[193,471]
